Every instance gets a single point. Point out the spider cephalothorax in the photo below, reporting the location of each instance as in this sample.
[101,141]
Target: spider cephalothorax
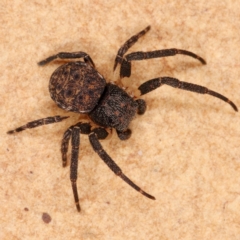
[80,88]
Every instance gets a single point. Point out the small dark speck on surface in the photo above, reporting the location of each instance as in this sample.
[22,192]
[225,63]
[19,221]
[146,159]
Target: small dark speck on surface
[46,218]
[26,209]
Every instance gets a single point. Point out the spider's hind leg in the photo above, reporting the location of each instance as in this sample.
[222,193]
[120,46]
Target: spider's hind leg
[124,48]
[39,122]
[125,69]
[125,61]
[68,55]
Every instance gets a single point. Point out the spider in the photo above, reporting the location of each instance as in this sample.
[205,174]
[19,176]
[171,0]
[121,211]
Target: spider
[78,87]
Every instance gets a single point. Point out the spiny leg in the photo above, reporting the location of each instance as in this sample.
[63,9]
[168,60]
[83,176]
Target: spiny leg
[85,129]
[74,163]
[136,56]
[74,132]
[64,145]
[112,165]
[125,70]
[39,122]
[124,48]
[68,55]
[173,82]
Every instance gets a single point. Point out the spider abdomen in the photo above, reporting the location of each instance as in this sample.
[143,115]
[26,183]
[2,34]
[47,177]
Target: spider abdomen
[76,87]
[115,109]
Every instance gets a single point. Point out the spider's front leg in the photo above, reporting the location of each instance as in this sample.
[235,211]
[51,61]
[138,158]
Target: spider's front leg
[93,138]
[173,82]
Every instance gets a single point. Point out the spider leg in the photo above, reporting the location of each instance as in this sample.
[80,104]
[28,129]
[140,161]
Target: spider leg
[64,145]
[74,163]
[125,70]
[136,56]
[39,122]
[100,132]
[97,147]
[173,82]
[124,48]
[68,55]
[85,129]
[74,132]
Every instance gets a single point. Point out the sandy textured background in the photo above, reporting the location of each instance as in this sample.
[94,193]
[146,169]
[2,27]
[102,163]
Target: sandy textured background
[184,150]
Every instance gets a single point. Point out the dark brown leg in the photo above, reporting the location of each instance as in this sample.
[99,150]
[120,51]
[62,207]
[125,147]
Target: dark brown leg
[125,62]
[136,56]
[124,48]
[67,55]
[100,132]
[85,128]
[125,70]
[64,145]
[74,163]
[74,132]
[37,123]
[112,165]
[173,82]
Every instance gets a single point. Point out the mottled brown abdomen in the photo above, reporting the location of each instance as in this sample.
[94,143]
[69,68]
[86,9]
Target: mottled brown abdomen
[76,87]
